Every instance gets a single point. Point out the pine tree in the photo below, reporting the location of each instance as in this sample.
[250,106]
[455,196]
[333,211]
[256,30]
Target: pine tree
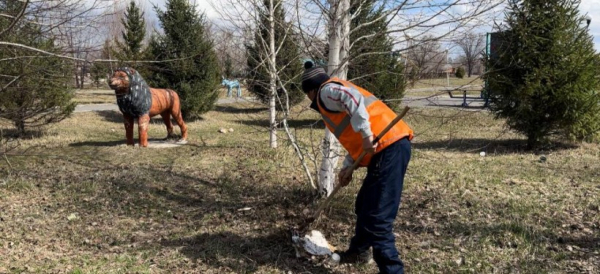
[374,66]
[544,81]
[133,34]
[131,49]
[460,72]
[288,62]
[36,94]
[193,69]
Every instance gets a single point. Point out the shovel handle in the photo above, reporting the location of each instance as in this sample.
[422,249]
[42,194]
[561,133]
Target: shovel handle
[359,159]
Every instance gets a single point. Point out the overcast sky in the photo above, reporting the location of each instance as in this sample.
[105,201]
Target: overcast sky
[591,7]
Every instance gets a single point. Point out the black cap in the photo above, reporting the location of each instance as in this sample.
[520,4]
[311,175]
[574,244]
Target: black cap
[313,77]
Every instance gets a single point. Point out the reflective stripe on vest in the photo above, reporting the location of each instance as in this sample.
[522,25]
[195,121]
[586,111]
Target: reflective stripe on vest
[338,129]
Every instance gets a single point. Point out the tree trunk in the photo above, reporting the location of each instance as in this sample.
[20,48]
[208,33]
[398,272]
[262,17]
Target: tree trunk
[82,78]
[339,34]
[532,141]
[76,76]
[273,78]
[469,68]
[20,125]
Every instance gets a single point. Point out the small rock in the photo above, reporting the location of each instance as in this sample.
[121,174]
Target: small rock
[112,130]
[569,248]
[230,129]
[72,217]
[543,158]
[482,154]
[222,130]
[424,244]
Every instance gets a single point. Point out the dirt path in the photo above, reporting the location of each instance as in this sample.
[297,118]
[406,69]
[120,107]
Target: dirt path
[411,101]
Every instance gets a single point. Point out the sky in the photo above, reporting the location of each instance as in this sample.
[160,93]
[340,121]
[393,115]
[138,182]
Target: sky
[590,7]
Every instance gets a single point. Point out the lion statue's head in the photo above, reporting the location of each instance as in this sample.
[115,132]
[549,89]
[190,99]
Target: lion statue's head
[132,92]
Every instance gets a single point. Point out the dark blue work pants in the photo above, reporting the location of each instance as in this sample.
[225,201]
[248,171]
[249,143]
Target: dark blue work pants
[377,205]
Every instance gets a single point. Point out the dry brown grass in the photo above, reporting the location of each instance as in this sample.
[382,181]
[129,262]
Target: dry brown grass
[94,96]
[78,201]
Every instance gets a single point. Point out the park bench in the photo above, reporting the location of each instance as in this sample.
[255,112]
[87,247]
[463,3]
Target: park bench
[465,97]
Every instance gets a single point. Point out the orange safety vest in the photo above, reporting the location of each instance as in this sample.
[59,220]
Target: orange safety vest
[380,117]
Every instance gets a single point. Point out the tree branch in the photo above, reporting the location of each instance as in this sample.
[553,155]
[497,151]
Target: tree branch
[84,60]
[17,18]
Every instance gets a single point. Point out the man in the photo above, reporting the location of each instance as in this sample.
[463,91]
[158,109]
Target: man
[356,117]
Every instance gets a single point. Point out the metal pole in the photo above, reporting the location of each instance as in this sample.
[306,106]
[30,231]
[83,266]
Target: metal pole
[447,67]
[486,91]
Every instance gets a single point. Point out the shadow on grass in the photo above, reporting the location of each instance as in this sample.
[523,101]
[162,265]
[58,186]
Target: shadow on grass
[237,109]
[504,233]
[243,254]
[98,143]
[198,204]
[153,141]
[495,146]
[113,116]
[458,106]
[293,123]
[530,235]
[29,134]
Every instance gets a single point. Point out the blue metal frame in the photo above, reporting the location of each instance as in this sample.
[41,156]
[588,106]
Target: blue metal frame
[485,94]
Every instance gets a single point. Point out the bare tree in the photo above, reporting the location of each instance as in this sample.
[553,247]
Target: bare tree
[472,45]
[258,19]
[426,57]
[230,51]
[241,21]
[337,66]
[415,18]
[72,24]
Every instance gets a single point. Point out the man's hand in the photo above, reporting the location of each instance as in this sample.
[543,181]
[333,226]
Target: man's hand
[368,146]
[345,176]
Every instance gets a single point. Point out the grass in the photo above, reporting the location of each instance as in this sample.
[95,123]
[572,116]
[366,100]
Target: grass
[94,96]
[78,201]
[429,87]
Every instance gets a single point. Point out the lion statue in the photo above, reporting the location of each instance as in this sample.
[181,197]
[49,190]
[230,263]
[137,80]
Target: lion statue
[137,100]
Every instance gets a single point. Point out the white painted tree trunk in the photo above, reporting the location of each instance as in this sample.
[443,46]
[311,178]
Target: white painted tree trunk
[339,34]
[273,78]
